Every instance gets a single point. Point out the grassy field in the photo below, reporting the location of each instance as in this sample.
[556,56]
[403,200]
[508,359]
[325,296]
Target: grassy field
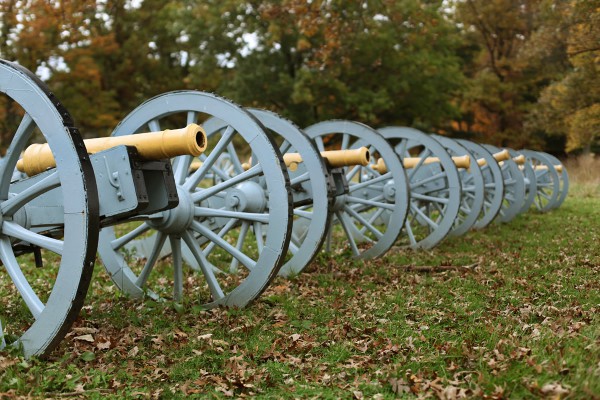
[509,312]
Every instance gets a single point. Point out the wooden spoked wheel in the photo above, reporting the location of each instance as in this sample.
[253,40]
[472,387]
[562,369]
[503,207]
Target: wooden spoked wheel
[48,223]
[225,219]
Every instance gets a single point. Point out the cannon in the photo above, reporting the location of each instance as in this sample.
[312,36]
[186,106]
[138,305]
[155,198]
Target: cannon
[225,218]
[369,194]
[493,183]
[49,222]
[435,189]
[470,178]
[514,186]
[125,187]
[472,187]
[548,185]
[563,179]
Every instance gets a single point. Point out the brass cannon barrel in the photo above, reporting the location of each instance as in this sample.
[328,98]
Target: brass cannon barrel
[190,140]
[557,167]
[411,162]
[501,156]
[520,159]
[333,158]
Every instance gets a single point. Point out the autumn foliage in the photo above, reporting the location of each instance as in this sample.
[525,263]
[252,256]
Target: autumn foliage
[522,73]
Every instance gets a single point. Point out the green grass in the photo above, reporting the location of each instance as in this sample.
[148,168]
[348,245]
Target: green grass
[521,322]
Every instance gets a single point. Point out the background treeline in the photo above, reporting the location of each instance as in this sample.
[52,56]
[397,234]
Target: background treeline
[522,73]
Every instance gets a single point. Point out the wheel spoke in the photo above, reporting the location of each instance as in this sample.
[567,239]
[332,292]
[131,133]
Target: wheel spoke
[175,242]
[372,203]
[258,233]
[206,193]
[210,235]
[182,163]
[364,222]
[419,164]
[465,209]
[285,146]
[362,185]
[424,216]
[546,196]
[401,149]
[154,125]
[233,267]
[372,219]
[319,142]
[205,266]
[13,204]
[208,163]
[246,216]
[159,242]
[345,141]
[14,271]
[14,230]
[300,179]
[235,160]
[181,167]
[123,240]
[17,145]
[224,230]
[352,173]
[427,180]
[411,236]
[431,199]
[303,214]
[348,232]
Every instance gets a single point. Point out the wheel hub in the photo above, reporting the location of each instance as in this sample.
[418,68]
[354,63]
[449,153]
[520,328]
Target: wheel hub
[246,197]
[389,191]
[178,219]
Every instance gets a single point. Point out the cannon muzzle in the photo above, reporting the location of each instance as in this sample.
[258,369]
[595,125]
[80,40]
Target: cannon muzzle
[190,140]
[502,155]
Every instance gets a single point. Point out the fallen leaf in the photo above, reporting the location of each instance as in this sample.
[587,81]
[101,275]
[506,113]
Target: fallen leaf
[133,352]
[85,338]
[554,389]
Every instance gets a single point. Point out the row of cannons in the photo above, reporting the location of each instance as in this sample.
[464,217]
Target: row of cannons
[212,212]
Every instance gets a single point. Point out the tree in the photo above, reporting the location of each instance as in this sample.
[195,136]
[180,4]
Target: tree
[504,82]
[571,105]
[379,62]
